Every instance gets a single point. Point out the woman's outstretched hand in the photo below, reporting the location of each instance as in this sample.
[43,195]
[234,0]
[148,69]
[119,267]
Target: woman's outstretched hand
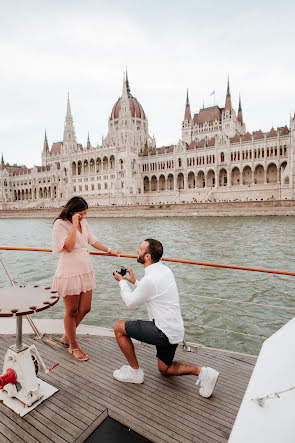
[117,253]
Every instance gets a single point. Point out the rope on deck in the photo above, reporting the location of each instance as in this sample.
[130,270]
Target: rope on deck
[261,400]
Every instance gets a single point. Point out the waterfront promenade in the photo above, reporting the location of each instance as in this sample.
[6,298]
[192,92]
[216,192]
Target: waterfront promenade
[208,209]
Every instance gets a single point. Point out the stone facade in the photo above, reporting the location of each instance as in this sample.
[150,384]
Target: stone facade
[215,160]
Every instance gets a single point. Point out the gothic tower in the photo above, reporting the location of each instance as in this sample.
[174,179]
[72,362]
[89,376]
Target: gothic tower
[186,130]
[69,140]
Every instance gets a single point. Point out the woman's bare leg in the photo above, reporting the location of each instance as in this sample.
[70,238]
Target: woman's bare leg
[84,306]
[71,303]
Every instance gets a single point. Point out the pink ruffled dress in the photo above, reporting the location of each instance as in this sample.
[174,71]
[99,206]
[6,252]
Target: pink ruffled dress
[74,273]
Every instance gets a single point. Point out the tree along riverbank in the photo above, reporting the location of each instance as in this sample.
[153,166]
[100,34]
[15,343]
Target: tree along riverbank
[208,209]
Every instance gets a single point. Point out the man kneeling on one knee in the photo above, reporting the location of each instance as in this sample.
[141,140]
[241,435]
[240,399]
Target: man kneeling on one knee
[158,291]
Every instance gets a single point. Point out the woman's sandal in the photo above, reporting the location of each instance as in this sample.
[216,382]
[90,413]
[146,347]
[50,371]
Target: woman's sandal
[71,352]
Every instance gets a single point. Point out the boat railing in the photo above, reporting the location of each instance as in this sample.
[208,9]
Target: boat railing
[169,259]
[183,261]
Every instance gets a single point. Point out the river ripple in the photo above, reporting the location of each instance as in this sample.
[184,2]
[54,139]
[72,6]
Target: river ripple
[266,242]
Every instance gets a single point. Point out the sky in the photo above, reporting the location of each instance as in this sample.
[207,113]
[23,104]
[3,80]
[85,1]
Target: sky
[51,47]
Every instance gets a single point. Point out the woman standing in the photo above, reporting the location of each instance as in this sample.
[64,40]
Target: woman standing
[74,278]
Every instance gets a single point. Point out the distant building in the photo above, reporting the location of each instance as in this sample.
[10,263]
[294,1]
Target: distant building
[215,160]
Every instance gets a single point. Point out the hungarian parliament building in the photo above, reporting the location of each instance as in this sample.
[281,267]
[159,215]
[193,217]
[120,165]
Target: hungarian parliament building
[216,159]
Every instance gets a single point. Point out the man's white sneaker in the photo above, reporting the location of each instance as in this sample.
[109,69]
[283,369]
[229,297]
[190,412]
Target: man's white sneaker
[207,384]
[126,374]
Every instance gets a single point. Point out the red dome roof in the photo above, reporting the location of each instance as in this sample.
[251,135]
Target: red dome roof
[135,108]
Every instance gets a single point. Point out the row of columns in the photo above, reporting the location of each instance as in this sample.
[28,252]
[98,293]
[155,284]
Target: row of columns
[202,180]
[29,194]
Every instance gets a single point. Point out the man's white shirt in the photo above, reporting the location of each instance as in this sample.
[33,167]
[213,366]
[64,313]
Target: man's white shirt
[158,291]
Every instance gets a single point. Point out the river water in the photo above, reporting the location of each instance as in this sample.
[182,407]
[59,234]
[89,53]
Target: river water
[266,242]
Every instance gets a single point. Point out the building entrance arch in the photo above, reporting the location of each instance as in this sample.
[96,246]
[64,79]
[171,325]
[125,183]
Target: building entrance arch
[180,181]
[235,176]
[259,175]
[170,182]
[211,179]
[223,177]
[191,180]
[201,179]
[247,176]
[272,173]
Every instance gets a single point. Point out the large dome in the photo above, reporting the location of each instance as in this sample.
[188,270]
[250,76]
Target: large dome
[135,108]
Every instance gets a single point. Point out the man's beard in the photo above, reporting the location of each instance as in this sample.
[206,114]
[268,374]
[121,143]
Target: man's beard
[141,259]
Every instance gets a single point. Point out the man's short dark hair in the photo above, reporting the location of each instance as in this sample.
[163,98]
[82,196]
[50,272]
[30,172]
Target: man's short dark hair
[155,249]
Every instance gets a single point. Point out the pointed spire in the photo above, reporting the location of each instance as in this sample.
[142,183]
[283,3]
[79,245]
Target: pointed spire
[127,82]
[69,113]
[240,114]
[88,142]
[2,159]
[125,89]
[45,145]
[187,112]
[227,106]
[69,131]
[125,101]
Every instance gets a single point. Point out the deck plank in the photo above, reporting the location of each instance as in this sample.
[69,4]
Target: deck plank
[22,433]
[149,400]
[189,381]
[163,409]
[4,439]
[157,385]
[59,400]
[41,426]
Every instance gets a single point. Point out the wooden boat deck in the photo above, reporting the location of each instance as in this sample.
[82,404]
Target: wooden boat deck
[163,409]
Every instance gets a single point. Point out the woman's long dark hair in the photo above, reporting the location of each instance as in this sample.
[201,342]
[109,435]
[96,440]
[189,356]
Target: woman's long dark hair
[75,204]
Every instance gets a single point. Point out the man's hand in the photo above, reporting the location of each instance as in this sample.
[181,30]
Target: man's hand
[131,277]
[117,276]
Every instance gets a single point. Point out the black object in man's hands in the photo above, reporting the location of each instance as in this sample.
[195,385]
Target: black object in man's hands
[122,272]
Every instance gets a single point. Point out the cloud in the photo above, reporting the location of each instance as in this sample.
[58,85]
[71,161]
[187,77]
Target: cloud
[48,49]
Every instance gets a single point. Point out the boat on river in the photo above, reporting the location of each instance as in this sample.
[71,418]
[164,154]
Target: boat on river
[252,400]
